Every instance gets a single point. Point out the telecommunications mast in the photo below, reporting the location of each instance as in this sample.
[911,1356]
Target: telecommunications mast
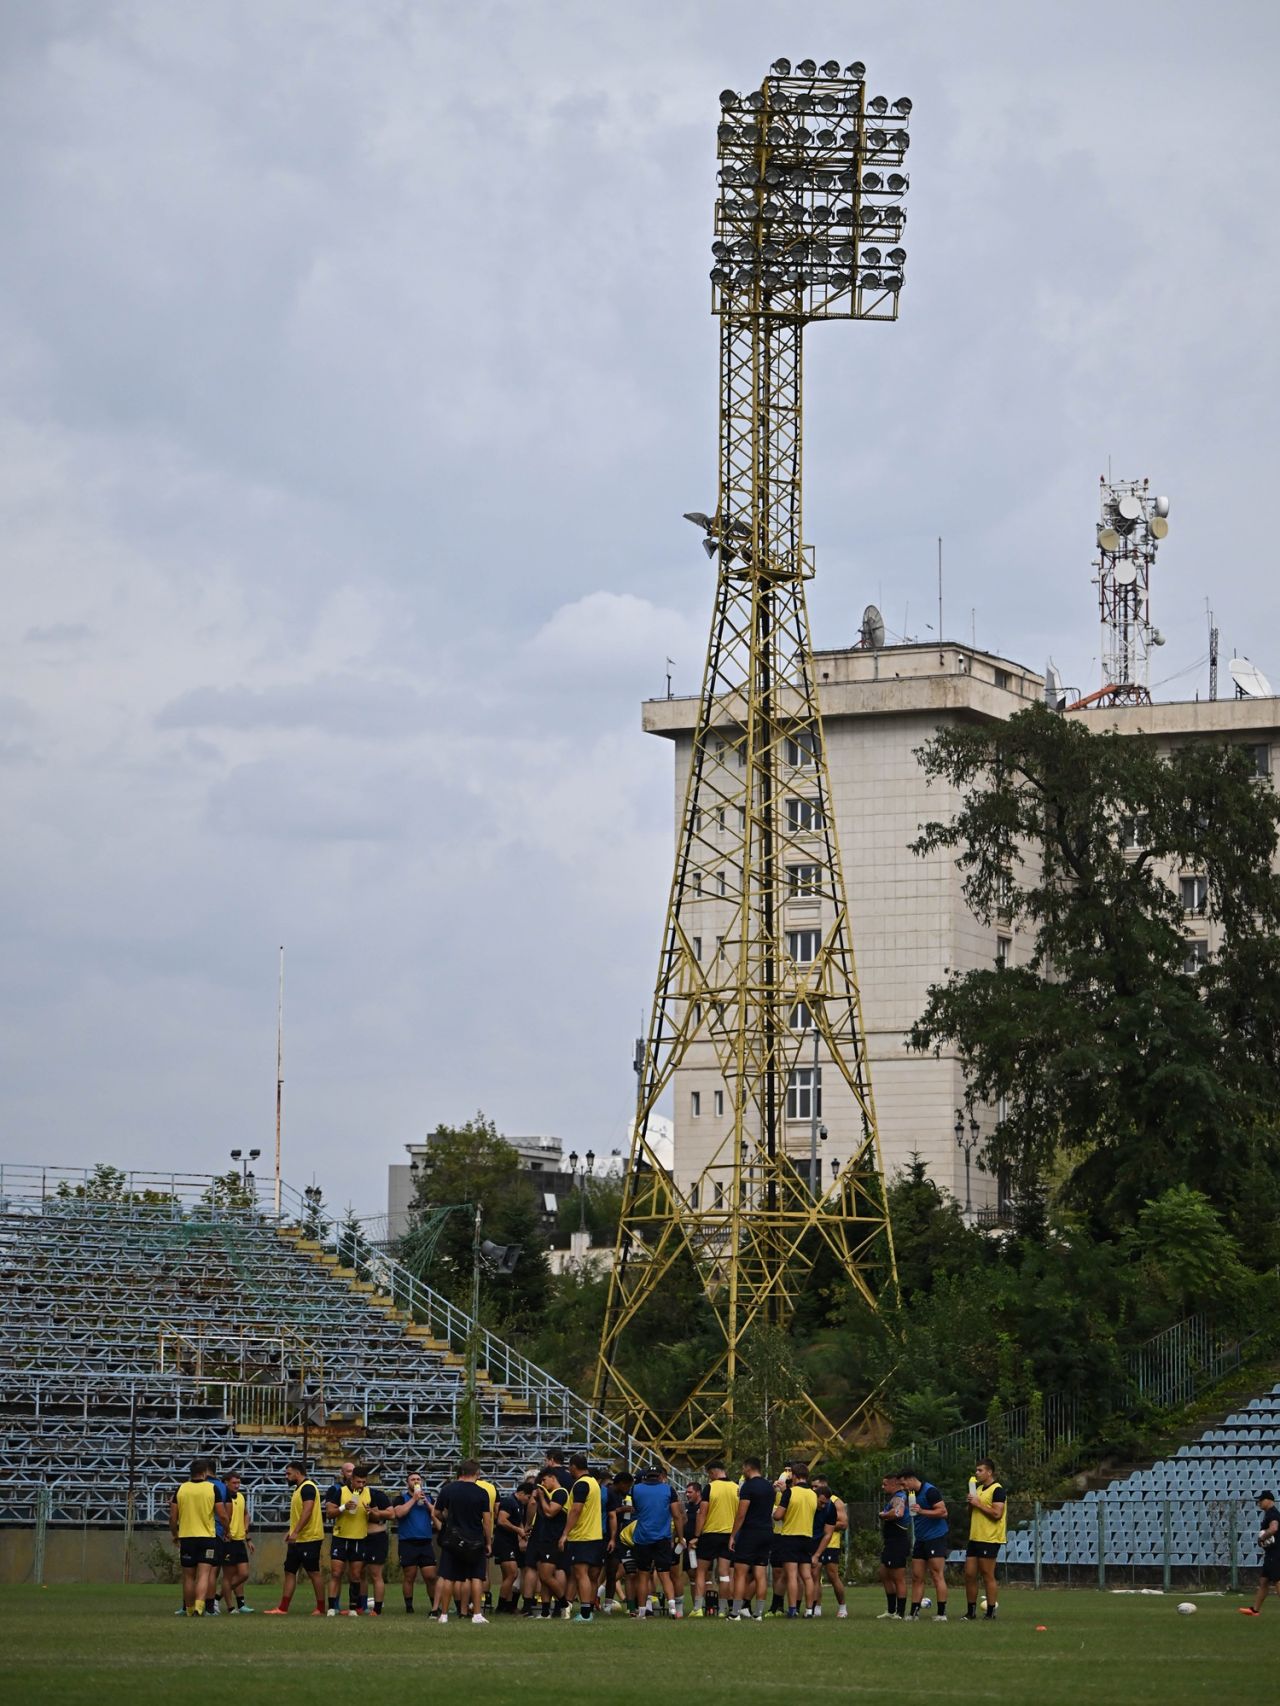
[1133,524]
[762,1014]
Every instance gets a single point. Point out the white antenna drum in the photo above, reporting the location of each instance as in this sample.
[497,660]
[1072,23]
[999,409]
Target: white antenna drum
[872,635]
[1054,697]
[1250,682]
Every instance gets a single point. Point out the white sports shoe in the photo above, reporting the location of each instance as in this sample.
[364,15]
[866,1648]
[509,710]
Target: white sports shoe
[479,1617]
[843,1611]
[443,1617]
[331,1612]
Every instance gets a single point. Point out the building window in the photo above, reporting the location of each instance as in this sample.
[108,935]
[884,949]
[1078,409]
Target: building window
[697,1014]
[801,1017]
[804,1093]
[720,879]
[719,1193]
[1001,678]
[697,882]
[719,946]
[803,945]
[695,1103]
[1134,831]
[1260,755]
[742,818]
[1197,954]
[697,949]
[1004,892]
[804,815]
[802,880]
[802,748]
[693,1195]
[717,1100]
[1195,895]
[1004,946]
[697,822]
[720,818]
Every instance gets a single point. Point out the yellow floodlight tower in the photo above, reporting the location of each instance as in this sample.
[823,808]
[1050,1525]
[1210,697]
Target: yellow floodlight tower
[809,222]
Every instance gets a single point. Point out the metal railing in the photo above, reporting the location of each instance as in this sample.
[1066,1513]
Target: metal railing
[1177,1364]
[149,1198]
[1153,1541]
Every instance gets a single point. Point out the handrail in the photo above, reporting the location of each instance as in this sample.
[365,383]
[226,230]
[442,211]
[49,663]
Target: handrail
[152,1198]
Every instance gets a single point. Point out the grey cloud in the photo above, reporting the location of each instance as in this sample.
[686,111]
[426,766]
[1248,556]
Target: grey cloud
[58,634]
[338,705]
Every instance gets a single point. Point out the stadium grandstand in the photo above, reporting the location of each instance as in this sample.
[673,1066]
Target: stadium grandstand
[138,1330]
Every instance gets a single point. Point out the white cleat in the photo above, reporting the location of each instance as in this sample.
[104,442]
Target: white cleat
[331,1612]
[479,1617]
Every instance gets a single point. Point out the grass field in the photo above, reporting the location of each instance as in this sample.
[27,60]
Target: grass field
[100,1646]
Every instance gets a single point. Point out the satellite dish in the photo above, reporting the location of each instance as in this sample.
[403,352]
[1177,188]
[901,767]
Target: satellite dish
[1126,574]
[1250,682]
[1129,508]
[1108,538]
[1054,697]
[1159,527]
[872,629]
[1162,507]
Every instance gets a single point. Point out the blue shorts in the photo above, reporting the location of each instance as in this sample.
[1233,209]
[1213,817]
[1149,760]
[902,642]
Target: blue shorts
[584,1551]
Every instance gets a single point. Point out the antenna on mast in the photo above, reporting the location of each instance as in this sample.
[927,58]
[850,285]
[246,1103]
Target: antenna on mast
[1213,653]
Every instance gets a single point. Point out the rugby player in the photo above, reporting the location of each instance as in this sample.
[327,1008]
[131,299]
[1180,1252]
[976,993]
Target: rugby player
[895,1553]
[466,1540]
[987,1521]
[376,1545]
[346,1504]
[830,1509]
[617,1509]
[509,1536]
[414,1528]
[303,1539]
[543,1550]
[583,1537]
[751,1539]
[658,1512]
[717,1508]
[1269,1546]
[824,1526]
[236,1548]
[194,1512]
[796,1510]
[929,1553]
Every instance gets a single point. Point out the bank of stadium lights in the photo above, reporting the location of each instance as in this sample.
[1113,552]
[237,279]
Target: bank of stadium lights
[809,214]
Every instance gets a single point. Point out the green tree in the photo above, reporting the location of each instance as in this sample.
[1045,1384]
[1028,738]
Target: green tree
[229,1191]
[471,1164]
[1112,1062]
[109,1184]
[769,1410]
[1187,1255]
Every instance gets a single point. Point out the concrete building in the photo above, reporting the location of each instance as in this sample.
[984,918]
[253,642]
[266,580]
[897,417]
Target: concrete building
[909,920]
[539,1155]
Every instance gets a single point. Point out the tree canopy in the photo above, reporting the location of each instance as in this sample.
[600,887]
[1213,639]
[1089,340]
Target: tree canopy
[1122,1072]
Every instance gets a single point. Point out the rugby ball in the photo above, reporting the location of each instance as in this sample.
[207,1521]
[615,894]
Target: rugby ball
[1186,1608]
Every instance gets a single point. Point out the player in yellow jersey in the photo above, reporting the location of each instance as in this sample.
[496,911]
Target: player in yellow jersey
[491,1493]
[347,1504]
[194,1512]
[303,1540]
[797,1509]
[717,1513]
[583,1537]
[236,1547]
[987,1522]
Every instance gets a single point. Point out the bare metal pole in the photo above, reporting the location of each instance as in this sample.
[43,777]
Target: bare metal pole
[939,589]
[279,1075]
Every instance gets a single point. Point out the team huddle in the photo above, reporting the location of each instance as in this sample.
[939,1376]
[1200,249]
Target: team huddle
[567,1537]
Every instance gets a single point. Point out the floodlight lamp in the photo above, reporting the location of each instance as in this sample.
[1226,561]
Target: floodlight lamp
[697,518]
[720,275]
[878,105]
[776,136]
[897,182]
[804,103]
[728,99]
[871,257]
[877,138]
[827,138]
[828,103]
[900,139]
[872,181]
[773,174]
[897,256]
[893,281]
[831,68]
[710,547]
[902,105]
[755,100]
[808,68]
[781,68]
[720,250]
[772,209]
[803,135]
[870,281]
[857,70]
[236,1154]
[845,253]
[822,213]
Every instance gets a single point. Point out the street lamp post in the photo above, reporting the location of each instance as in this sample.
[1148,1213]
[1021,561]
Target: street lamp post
[244,1160]
[589,1160]
[967,1142]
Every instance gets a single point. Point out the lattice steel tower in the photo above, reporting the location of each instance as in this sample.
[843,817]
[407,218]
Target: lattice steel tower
[809,220]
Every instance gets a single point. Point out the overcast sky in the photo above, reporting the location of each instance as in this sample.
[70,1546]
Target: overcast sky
[356,365]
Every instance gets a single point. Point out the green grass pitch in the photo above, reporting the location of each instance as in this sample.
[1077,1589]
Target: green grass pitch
[100,1646]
